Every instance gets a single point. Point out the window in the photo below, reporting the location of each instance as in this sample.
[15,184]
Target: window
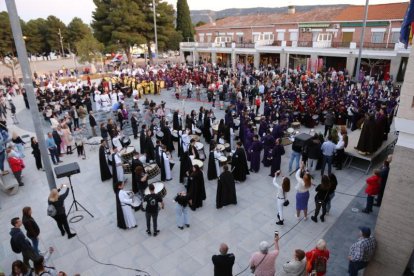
[294,36]
[395,37]
[201,38]
[315,36]
[377,37]
[280,36]
[239,38]
[209,38]
[256,37]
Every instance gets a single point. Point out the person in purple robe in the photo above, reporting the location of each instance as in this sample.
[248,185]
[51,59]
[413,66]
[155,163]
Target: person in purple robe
[248,140]
[263,126]
[255,150]
[268,143]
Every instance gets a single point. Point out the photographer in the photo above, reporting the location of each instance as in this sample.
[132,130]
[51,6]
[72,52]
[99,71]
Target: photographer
[58,201]
[263,262]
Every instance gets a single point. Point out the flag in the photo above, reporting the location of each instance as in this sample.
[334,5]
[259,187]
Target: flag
[407,26]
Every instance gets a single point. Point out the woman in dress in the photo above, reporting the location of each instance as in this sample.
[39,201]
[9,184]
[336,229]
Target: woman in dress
[302,191]
[36,153]
[196,189]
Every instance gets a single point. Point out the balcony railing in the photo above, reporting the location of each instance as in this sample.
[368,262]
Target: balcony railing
[304,44]
[382,46]
[245,45]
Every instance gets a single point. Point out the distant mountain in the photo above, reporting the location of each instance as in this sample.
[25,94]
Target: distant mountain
[210,16]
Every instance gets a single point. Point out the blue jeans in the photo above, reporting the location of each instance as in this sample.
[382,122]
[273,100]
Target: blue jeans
[326,159]
[35,244]
[181,214]
[355,266]
[328,202]
[293,156]
[370,203]
[54,155]
[2,158]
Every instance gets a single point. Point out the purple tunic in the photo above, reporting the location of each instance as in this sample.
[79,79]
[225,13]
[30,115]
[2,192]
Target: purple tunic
[255,150]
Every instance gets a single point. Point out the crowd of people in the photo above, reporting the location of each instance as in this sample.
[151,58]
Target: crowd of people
[261,108]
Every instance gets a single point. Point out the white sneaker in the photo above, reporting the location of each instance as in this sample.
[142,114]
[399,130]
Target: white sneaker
[305,218]
[296,216]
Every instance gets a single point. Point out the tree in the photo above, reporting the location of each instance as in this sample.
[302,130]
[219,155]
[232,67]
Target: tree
[200,23]
[54,25]
[116,23]
[174,39]
[372,64]
[89,48]
[77,31]
[35,36]
[7,47]
[184,20]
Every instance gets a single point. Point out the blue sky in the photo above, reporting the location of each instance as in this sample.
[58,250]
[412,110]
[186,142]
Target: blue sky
[67,9]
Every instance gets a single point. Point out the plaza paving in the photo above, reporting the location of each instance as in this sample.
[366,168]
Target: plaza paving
[174,251]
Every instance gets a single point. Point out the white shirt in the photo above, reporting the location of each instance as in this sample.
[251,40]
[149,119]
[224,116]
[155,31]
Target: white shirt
[300,186]
[280,193]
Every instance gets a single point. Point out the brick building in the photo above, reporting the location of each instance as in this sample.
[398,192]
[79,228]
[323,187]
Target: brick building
[319,38]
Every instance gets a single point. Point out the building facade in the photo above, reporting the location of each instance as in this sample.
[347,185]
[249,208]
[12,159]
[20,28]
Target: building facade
[316,39]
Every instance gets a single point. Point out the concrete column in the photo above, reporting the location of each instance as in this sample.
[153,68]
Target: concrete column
[395,222]
[283,60]
[394,66]
[213,57]
[256,61]
[233,56]
[350,64]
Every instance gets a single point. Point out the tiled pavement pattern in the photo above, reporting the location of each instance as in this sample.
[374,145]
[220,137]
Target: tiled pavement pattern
[174,251]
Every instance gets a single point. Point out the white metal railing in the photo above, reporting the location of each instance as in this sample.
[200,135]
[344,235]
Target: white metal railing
[264,42]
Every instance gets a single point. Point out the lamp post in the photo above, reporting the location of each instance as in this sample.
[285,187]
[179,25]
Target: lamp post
[155,30]
[361,41]
[28,84]
[61,43]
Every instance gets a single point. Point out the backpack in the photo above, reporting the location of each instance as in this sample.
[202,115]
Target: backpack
[51,210]
[320,264]
[14,246]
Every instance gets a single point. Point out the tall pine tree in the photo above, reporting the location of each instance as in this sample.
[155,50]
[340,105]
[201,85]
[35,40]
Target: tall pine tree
[184,24]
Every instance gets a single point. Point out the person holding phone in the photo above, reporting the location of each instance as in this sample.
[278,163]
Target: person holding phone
[58,200]
[263,262]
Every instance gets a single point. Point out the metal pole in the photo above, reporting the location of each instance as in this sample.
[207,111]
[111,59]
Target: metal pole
[155,30]
[28,85]
[61,43]
[361,41]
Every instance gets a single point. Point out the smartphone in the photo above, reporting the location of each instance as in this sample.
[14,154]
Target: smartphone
[276,234]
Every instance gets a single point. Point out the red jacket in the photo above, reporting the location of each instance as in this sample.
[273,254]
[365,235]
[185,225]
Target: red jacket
[373,185]
[312,256]
[16,164]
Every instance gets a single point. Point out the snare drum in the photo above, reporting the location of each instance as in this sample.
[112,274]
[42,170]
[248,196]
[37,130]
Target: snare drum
[159,135]
[197,162]
[199,146]
[125,141]
[127,154]
[222,160]
[197,131]
[215,128]
[159,189]
[257,119]
[195,137]
[127,168]
[220,147]
[174,135]
[290,130]
[296,125]
[152,170]
[227,147]
[315,119]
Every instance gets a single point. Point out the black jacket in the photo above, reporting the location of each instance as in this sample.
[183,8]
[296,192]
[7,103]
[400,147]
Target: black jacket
[31,227]
[56,137]
[60,203]
[92,121]
[223,264]
[19,239]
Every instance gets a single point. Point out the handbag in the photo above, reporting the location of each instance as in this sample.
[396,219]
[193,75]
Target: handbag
[286,203]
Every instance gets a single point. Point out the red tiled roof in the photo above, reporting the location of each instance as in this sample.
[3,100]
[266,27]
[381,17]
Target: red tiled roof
[375,12]
[328,14]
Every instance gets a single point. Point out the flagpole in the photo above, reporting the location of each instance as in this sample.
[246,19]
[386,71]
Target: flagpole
[361,41]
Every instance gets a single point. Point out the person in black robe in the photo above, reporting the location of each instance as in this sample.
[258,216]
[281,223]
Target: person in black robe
[119,214]
[185,166]
[381,125]
[268,143]
[192,150]
[157,152]
[239,165]
[103,163]
[207,126]
[226,189]
[211,168]
[36,153]
[277,152]
[176,121]
[180,143]
[149,147]
[134,164]
[167,139]
[196,190]
[367,144]
[134,124]
[142,139]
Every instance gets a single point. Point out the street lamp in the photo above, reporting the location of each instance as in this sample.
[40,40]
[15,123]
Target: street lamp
[155,29]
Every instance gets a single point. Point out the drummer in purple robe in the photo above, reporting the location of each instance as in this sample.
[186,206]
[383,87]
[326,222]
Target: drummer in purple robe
[254,150]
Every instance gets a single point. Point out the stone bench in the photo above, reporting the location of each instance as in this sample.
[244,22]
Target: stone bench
[8,184]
